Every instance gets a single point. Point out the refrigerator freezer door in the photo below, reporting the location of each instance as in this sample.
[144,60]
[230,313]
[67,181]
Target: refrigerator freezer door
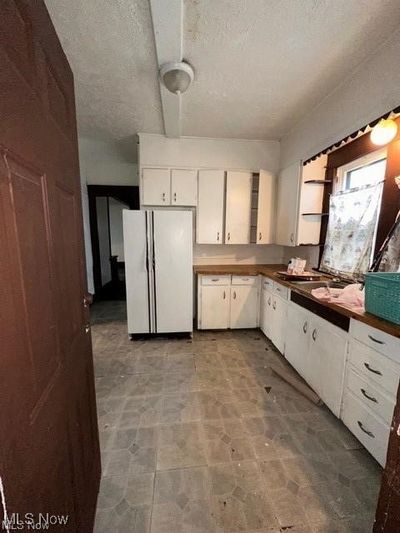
[136,271]
[173,271]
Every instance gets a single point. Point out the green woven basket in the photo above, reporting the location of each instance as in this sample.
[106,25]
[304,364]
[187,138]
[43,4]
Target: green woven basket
[382,295]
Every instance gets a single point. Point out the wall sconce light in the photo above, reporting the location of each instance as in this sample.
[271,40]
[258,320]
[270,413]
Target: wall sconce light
[384,132]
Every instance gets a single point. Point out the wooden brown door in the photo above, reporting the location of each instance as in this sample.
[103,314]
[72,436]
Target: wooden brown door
[49,453]
[388,511]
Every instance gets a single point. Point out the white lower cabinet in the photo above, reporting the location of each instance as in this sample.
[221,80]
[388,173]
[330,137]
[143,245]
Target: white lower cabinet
[278,322]
[228,302]
[317,350]
[215,306]
[266,312]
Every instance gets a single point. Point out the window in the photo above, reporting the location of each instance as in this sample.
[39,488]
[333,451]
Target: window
[353,216]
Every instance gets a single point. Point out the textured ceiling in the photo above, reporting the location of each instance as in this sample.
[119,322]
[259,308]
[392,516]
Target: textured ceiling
[260,65]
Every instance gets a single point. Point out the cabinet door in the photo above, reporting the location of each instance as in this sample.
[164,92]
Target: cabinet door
[238,207]
[278,322]
[210,207]
[328,346]
[266,312]
[214,307]
[287,211]
[156,186]
[183,187]
[311,197]
[244,306]
[297,339]
[266,208]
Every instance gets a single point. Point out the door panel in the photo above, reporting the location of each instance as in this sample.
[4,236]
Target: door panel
[210,208]
[238,207]
[215,307]
[156,186]
[287,211]
[137,270]
[266,315]
[266,208]
[278,323]
[297,339]
[244,306]
[173,270]
[183,187]
[46,368]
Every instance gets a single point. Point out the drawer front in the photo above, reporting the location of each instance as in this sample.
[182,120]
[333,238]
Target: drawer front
[368,429]
[370,395]
[216,280]
[281,290]
[376,339]
[375,367]
[244,280]
[267,283]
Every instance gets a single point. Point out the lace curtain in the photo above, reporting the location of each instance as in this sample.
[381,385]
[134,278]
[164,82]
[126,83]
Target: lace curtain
[351,231]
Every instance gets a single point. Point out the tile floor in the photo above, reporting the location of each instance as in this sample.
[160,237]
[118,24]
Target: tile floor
[199,437]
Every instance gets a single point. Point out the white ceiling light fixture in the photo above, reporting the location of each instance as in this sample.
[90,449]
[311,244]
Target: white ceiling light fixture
[176,76]
[384,132]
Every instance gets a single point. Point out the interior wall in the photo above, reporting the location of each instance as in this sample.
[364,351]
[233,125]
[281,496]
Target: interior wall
[372,89]
[225,254]
[198,152]
[105,163]
[86,236]
[116,231]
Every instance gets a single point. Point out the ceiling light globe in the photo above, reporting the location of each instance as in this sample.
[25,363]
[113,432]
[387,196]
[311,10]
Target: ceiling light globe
[176,77]
[384,132]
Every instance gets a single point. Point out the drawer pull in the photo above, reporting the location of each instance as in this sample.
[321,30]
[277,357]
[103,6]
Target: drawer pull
[215,279]
[234,295]
[371,398]
[305,327]
[314,335]
[369,433]
[278,289]
[376,340]
[245,279]
[372,369]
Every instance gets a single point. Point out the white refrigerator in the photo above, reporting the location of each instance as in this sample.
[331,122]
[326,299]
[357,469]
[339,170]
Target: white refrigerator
[158,271]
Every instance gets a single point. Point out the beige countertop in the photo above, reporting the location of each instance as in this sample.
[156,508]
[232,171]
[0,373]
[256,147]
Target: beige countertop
[271,272]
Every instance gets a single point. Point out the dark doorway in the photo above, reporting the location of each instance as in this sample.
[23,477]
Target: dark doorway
[106,203]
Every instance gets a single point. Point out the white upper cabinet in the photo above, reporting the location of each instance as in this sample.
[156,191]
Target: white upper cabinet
[183,187]
[310,204]
[300,197]
[238,207]
[156,186]
[210,207]
[266,208]
[288,195]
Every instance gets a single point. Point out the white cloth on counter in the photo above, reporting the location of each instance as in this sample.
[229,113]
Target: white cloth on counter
[351,296]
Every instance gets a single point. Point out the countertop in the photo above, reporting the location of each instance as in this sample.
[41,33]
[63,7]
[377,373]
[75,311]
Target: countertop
[270,272]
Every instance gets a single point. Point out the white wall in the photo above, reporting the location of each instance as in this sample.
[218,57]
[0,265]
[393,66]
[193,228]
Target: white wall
[104,163]
[226,254]
[86,236]
[116,231]
[197,152]
[371,90]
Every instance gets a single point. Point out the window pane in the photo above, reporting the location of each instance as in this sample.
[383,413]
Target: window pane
[366,175]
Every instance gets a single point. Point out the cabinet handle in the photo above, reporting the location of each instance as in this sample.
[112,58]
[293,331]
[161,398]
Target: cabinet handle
[234,295]
[229,236]
[245,279]
[314,335]
[224,296]
[174,196]
[163,196]
[372,369]
[292,237]
[269,300]
[376,340]
[369,433]
[371,398]
[274,305]
[278,289]
[215,279]
[305,327]
[260,236]
[217,235]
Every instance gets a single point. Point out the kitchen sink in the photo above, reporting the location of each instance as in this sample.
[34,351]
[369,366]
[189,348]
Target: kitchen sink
[318,284]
